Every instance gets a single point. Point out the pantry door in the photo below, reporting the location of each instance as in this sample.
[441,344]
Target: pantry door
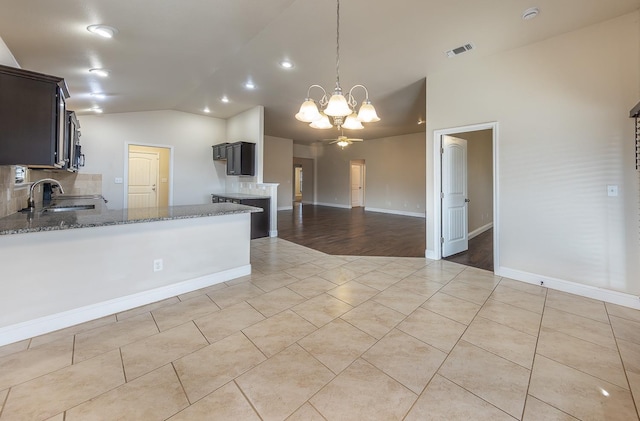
[143,179]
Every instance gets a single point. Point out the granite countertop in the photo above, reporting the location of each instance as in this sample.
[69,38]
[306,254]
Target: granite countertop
[240,196]
[41,220]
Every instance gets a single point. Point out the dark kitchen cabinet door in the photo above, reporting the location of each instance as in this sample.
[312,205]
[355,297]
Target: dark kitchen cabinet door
[260,221]
[241,158]
[32,119]
[220,151]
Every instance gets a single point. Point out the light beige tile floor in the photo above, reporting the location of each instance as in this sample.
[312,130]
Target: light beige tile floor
[308,336]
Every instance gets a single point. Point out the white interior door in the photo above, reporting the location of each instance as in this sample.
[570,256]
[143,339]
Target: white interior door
[455,232]
[298,184]
[143,180]
[357,176]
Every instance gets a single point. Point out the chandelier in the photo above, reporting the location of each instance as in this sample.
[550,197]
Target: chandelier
[337,110]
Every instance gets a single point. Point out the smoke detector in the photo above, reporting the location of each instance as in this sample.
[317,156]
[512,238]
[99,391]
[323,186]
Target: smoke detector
[530,13]
[459,50]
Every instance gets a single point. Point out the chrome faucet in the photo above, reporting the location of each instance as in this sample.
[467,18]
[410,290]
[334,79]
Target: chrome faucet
[30,202]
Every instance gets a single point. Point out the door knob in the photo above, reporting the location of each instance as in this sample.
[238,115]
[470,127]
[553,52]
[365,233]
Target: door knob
[467,200]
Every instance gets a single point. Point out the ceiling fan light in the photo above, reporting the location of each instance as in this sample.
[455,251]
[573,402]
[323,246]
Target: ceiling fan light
[104,31]
[308,112]
[343,143]
[352,123]
[367,113]
[99,72]
[323,123]
[338,106]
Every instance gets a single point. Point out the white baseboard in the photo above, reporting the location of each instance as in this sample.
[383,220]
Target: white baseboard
[333,205]
[606,295]
[53,322]
[396,212]
[431,254]
[476,232]
[285,208]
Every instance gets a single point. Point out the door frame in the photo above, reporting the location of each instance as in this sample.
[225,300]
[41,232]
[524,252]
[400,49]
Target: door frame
[125,178]
[436,223]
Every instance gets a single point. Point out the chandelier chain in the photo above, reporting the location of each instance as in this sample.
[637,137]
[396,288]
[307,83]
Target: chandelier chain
[338,45]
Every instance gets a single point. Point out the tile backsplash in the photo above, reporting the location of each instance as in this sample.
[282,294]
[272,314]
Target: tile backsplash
[13,197]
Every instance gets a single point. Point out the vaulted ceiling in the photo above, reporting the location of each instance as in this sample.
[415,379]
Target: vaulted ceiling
[186,55]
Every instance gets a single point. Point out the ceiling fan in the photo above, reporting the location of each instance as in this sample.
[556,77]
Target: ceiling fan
[343,140]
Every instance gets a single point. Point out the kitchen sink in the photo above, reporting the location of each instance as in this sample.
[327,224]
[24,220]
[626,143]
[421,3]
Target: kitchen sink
[68,208]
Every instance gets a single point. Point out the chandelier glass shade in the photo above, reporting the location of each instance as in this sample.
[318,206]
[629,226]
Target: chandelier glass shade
[337,110]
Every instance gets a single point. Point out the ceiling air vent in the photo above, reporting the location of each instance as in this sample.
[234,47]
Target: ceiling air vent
[459,50]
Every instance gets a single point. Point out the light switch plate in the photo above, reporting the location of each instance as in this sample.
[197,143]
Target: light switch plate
[612,190]
[118,180]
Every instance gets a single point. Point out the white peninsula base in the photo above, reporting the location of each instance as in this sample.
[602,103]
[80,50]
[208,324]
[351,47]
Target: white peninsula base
[55,279]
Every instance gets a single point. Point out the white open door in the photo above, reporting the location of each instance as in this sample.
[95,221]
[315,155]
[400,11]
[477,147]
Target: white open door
[455,232]
[357,182]
[143,180]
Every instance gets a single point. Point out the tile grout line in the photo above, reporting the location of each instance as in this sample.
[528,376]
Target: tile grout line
[585,340]
[535,353]
[626,376]
[456,344]
[244,396]
[4,402]
[186,395]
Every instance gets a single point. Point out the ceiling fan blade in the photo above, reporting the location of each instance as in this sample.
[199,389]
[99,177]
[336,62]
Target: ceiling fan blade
[355,140]
[335,141]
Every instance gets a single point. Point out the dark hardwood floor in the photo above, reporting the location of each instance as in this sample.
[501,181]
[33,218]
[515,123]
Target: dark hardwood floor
[479,254]
[354,232]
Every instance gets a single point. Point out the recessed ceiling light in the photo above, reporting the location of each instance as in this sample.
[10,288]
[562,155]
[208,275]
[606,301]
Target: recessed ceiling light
[530,13]
[249,85]
[99,72]
[104,31]
[224,99]
[286,64]
[206,110]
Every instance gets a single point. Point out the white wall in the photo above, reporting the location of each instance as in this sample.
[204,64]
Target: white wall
[194,175]
[305,151]
[562,106]
[278,168]
[248,127]
[6,57]
[395,174]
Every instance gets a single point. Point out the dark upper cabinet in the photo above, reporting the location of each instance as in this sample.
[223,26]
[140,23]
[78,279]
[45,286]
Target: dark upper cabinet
[32,119]
[72,149]
[220,151]
[241,157]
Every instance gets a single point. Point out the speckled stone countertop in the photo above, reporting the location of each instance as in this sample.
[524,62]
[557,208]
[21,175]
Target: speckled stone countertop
[40,220]
[239,196]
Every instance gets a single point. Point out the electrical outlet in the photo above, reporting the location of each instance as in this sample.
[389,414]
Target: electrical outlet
[118,180]
[157,265]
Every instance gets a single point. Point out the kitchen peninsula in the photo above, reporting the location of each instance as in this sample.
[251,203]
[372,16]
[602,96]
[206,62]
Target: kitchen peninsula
[61,268]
